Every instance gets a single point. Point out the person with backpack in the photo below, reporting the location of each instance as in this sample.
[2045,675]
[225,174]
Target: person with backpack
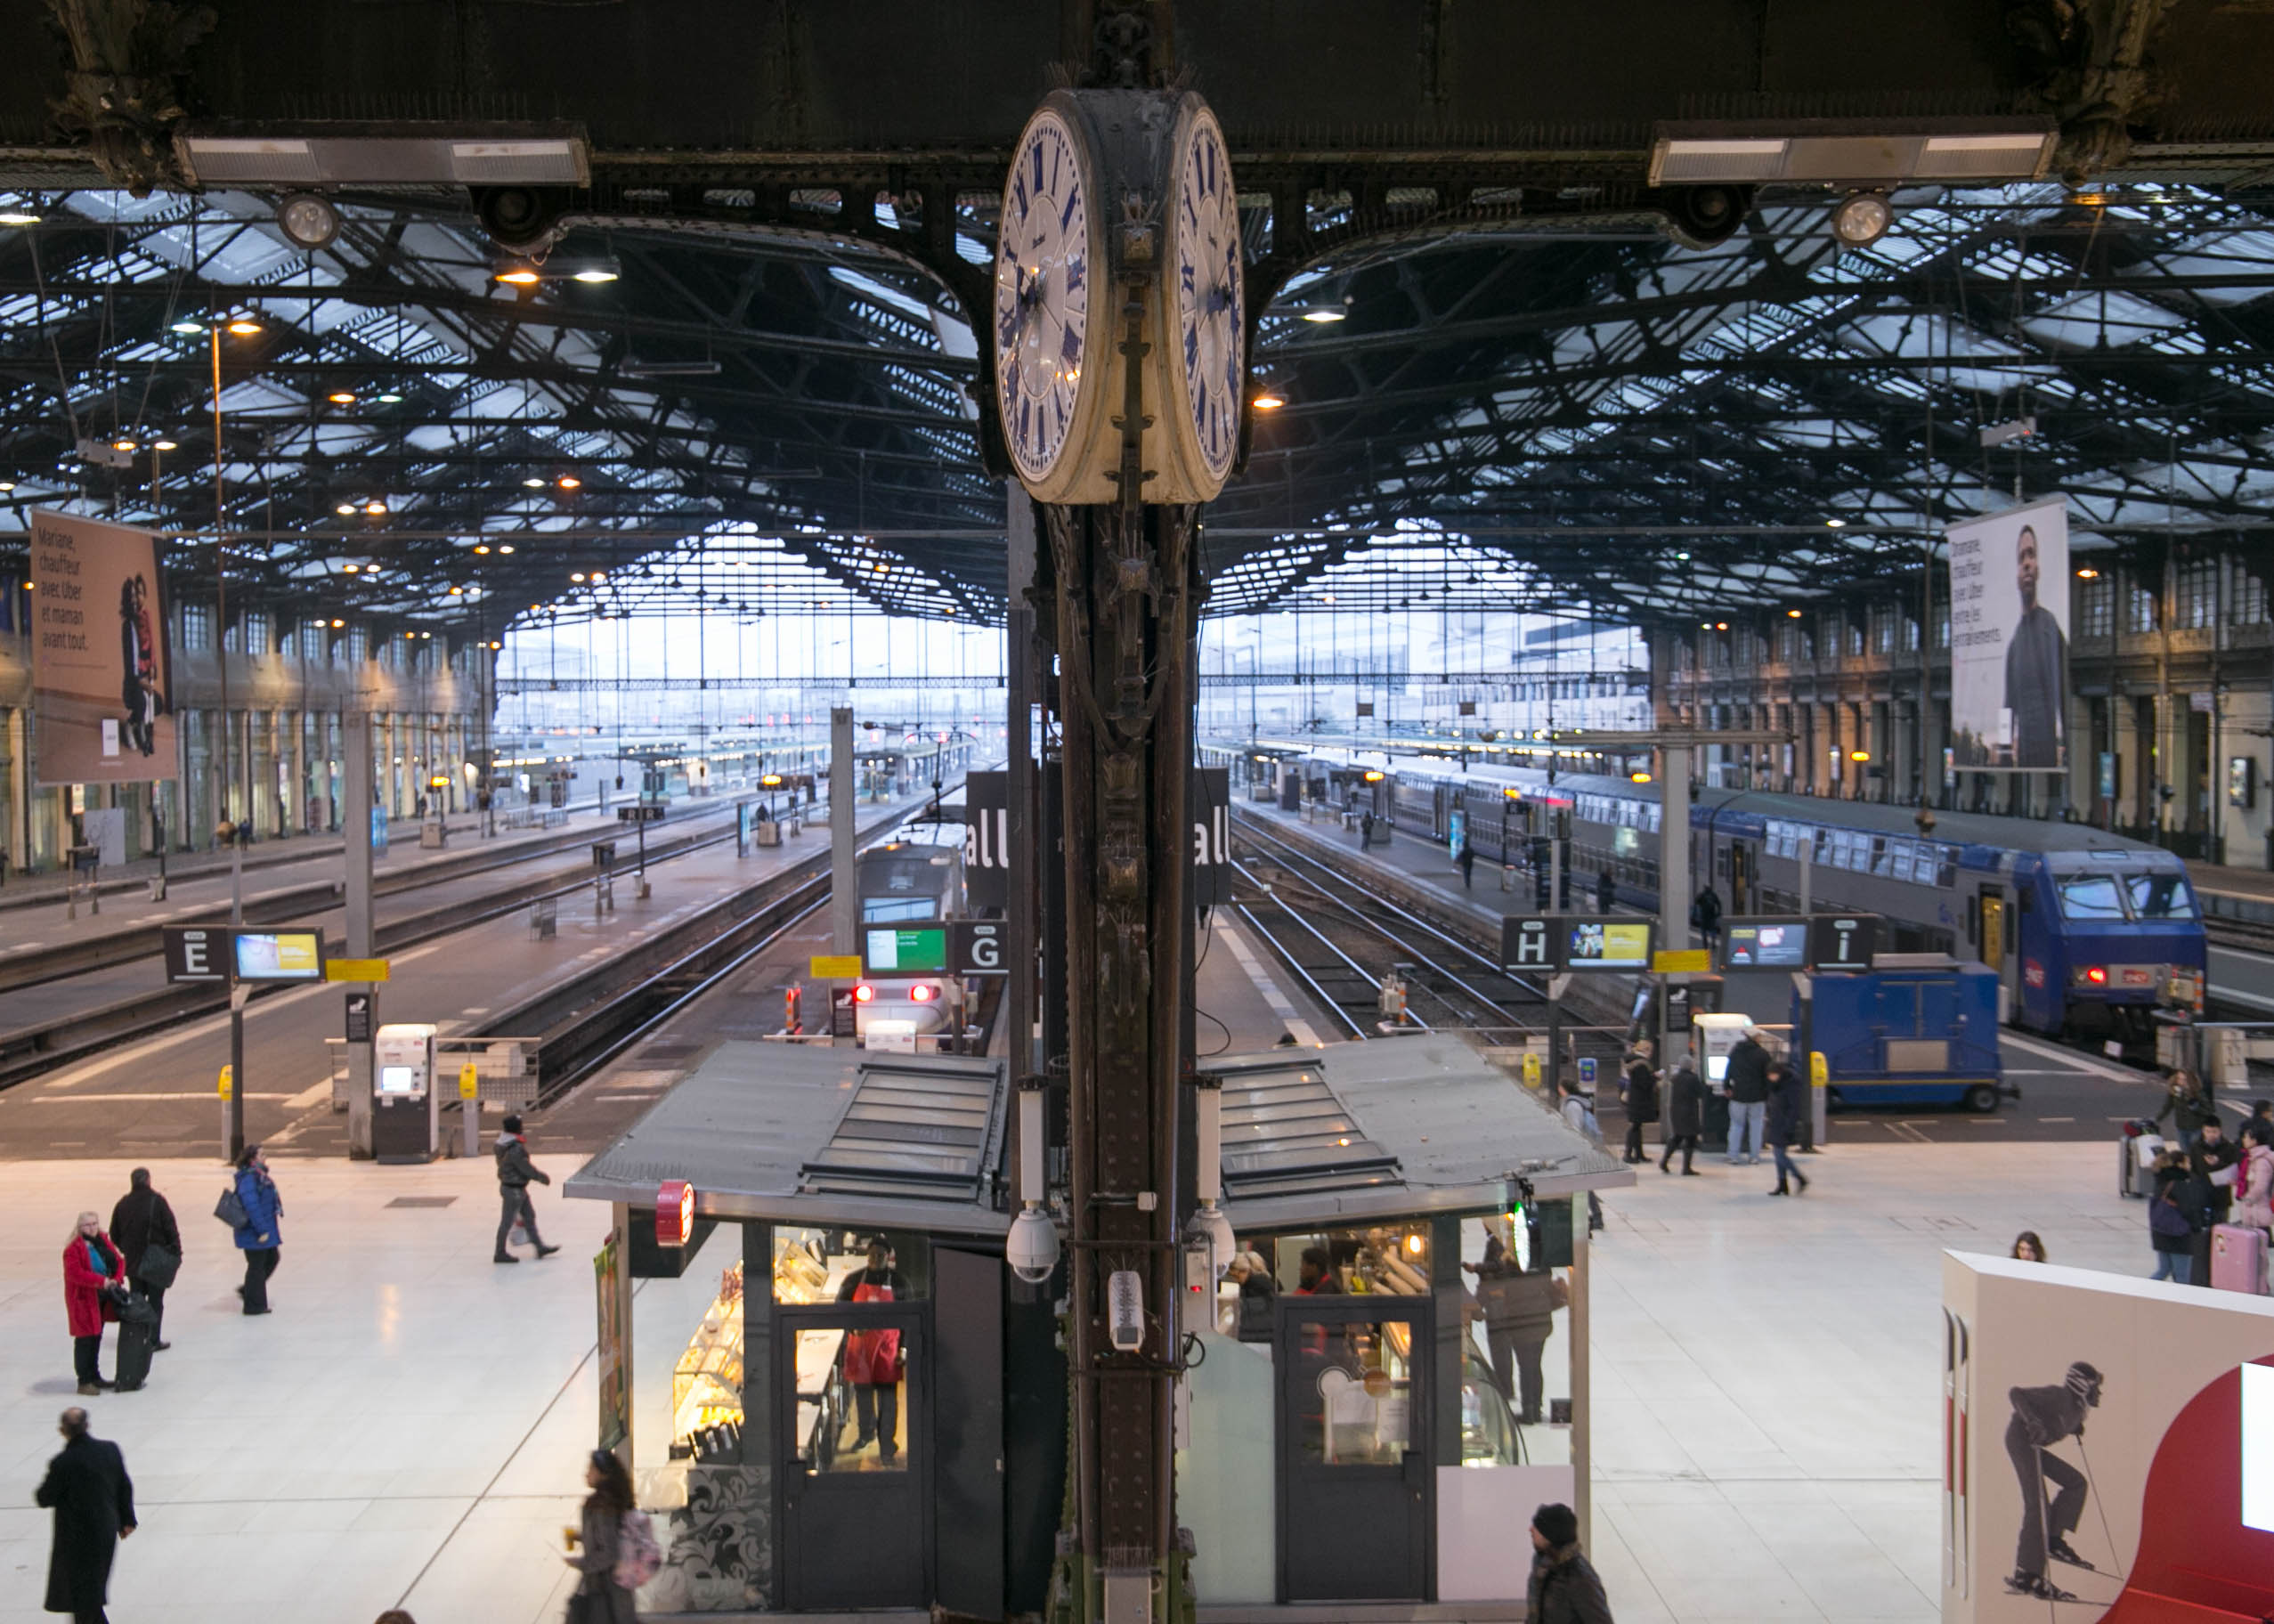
[256,1226]
[515,1173]
[2173,1217]
[615,1546]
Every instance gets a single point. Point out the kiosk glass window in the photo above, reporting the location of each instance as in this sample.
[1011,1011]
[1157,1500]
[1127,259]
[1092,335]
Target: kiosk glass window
[851,1266]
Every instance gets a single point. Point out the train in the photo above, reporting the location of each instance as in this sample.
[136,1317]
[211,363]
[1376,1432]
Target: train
[913,876]
[2091,934]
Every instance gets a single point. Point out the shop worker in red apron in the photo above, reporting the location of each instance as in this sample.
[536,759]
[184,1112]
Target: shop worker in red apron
[874,1361]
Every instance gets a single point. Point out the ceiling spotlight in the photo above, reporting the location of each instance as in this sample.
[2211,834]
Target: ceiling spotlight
[455,591]
[570,482]
[342,509]
[1721,625]
[391,399]
[370,569]
[165,446]
[1862,218]
[597,575]
[576,575]
[7,485]
[1835,524]
[17,216]
[2088,574]
[481,547]
[1791,615]
[1268,398]
[122,445]
[189,330]
[533,484]
[520,276]
[348,569]
[307,221]
[244,327]
[597,273]
[375,508]
[1324,314]
[341,397]
[504,546]
[336,625]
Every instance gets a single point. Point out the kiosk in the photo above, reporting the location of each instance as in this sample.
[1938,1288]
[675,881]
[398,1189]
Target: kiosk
[405,1117]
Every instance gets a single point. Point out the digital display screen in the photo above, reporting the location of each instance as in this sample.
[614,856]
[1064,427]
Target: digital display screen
[2258,1447]
[279,955]
[1602,944]
[398,1079]
[902,950]
[1765,944]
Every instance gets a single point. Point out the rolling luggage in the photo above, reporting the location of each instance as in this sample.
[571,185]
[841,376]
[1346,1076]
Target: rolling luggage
[137,1341]
[2238,1258]
[2136,1147]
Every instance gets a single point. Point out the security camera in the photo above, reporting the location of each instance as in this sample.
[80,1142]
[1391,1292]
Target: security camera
[1210,1229]
[1031,1249]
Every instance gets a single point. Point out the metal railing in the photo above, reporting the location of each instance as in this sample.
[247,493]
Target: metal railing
[505,1070]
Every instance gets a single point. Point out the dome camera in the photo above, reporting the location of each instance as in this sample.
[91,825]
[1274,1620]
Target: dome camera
[1211,1228]
[1031,1249]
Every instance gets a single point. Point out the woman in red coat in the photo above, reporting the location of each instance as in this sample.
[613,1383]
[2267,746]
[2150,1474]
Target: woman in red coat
[92,1265]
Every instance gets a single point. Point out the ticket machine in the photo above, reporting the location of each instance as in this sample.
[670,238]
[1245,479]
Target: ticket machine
[405,1113]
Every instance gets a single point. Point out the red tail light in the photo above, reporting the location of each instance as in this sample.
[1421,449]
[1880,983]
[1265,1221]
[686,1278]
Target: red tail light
[865,994]
[2097,975]
[921,993]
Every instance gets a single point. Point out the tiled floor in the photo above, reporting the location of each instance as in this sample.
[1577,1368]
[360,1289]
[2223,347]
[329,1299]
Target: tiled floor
[407,1428]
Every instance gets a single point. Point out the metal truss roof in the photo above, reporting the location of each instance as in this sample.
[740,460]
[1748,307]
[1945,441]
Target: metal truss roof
[1630,429]
[1580,418]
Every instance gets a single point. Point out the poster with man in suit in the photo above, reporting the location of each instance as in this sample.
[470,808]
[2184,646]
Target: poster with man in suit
[2008,634]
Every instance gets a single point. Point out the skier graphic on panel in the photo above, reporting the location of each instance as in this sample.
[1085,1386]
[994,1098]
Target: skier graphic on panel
[2043,1416]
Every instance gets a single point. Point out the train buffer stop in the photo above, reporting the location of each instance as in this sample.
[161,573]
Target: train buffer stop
[836,1394]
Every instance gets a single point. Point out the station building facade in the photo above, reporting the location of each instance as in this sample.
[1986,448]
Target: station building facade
[2170,660]
[274,755]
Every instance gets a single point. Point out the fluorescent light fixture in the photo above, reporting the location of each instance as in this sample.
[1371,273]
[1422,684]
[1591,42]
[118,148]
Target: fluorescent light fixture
[570,482]
[345,508]
[190,329]
[1851,152]
[532,483]
[7,485]
[393,152]
[594,273]
[341,397]
[1324,313]
[521,276]
[16,216]
[390,399]
[165,446]
[244,327]
[504,546]
[375,508]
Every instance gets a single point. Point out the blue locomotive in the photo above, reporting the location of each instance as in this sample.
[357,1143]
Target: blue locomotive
[2089,932]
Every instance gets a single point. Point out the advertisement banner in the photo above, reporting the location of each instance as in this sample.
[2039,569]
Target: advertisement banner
[2008,640]
[102,672]
[987,838]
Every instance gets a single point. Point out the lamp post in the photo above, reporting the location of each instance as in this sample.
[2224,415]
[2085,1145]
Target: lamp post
[244,327]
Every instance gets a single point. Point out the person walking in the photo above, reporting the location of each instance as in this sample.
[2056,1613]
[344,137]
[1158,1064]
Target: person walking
[1686,1097]
[94,1275]
[1365,830]
[1468,866]
[1705,914]
[598,1598]
[87,1488]
[1748,1095]
[515,1172]
[1788,1108]
[260,1237]
[1641,1093]
[1606,891]
[148,1237]
[1563,1588]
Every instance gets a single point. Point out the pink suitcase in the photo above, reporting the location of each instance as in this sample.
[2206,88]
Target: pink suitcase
[2237,1258]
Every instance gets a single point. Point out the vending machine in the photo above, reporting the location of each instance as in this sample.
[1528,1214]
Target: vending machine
[405,1114]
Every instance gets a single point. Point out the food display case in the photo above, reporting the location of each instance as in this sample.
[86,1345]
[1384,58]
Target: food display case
[707,1382]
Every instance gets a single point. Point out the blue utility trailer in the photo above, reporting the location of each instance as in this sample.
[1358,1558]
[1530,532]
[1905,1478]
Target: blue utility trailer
[1921,1029]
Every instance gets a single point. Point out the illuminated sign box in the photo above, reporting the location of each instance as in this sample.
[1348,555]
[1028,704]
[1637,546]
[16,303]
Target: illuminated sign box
[279,955]
[905,950]
[1765,944]
[1607,944]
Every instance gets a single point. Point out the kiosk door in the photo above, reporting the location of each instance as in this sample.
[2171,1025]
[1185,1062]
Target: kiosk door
[854,1403]
[1355,1475]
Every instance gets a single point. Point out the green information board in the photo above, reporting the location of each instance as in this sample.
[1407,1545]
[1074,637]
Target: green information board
[905,950]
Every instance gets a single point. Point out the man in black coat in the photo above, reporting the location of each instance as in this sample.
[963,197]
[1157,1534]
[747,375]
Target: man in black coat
[1748,1095]
[1788,1104]
[1686,1096]
[143,1218]
[515,1174]
[1641,1090]
[93,1502]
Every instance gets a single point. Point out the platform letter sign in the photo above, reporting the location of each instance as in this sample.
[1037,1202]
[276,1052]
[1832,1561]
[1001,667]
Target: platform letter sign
[196,953]
[976,947]
[1528,944]
[987,838]
[1843,941]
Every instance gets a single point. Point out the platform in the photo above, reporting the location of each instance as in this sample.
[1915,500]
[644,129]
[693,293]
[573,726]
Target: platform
[408,1427]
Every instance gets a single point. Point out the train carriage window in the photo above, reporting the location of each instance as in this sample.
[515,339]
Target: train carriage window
[2159,896]
[1886,854]
[2091,897]
[1855,851]
[1926,862]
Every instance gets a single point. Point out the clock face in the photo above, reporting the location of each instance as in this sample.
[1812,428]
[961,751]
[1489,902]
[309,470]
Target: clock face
[1211,316]
[1042,295]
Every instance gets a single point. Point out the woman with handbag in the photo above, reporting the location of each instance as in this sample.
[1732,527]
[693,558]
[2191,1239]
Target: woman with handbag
[598,1598]
[257,1230]
[94,1277]
[2172,1222]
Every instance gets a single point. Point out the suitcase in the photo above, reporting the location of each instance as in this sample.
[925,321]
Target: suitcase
[2237,1258]
[137,1340]
[2136,1147]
